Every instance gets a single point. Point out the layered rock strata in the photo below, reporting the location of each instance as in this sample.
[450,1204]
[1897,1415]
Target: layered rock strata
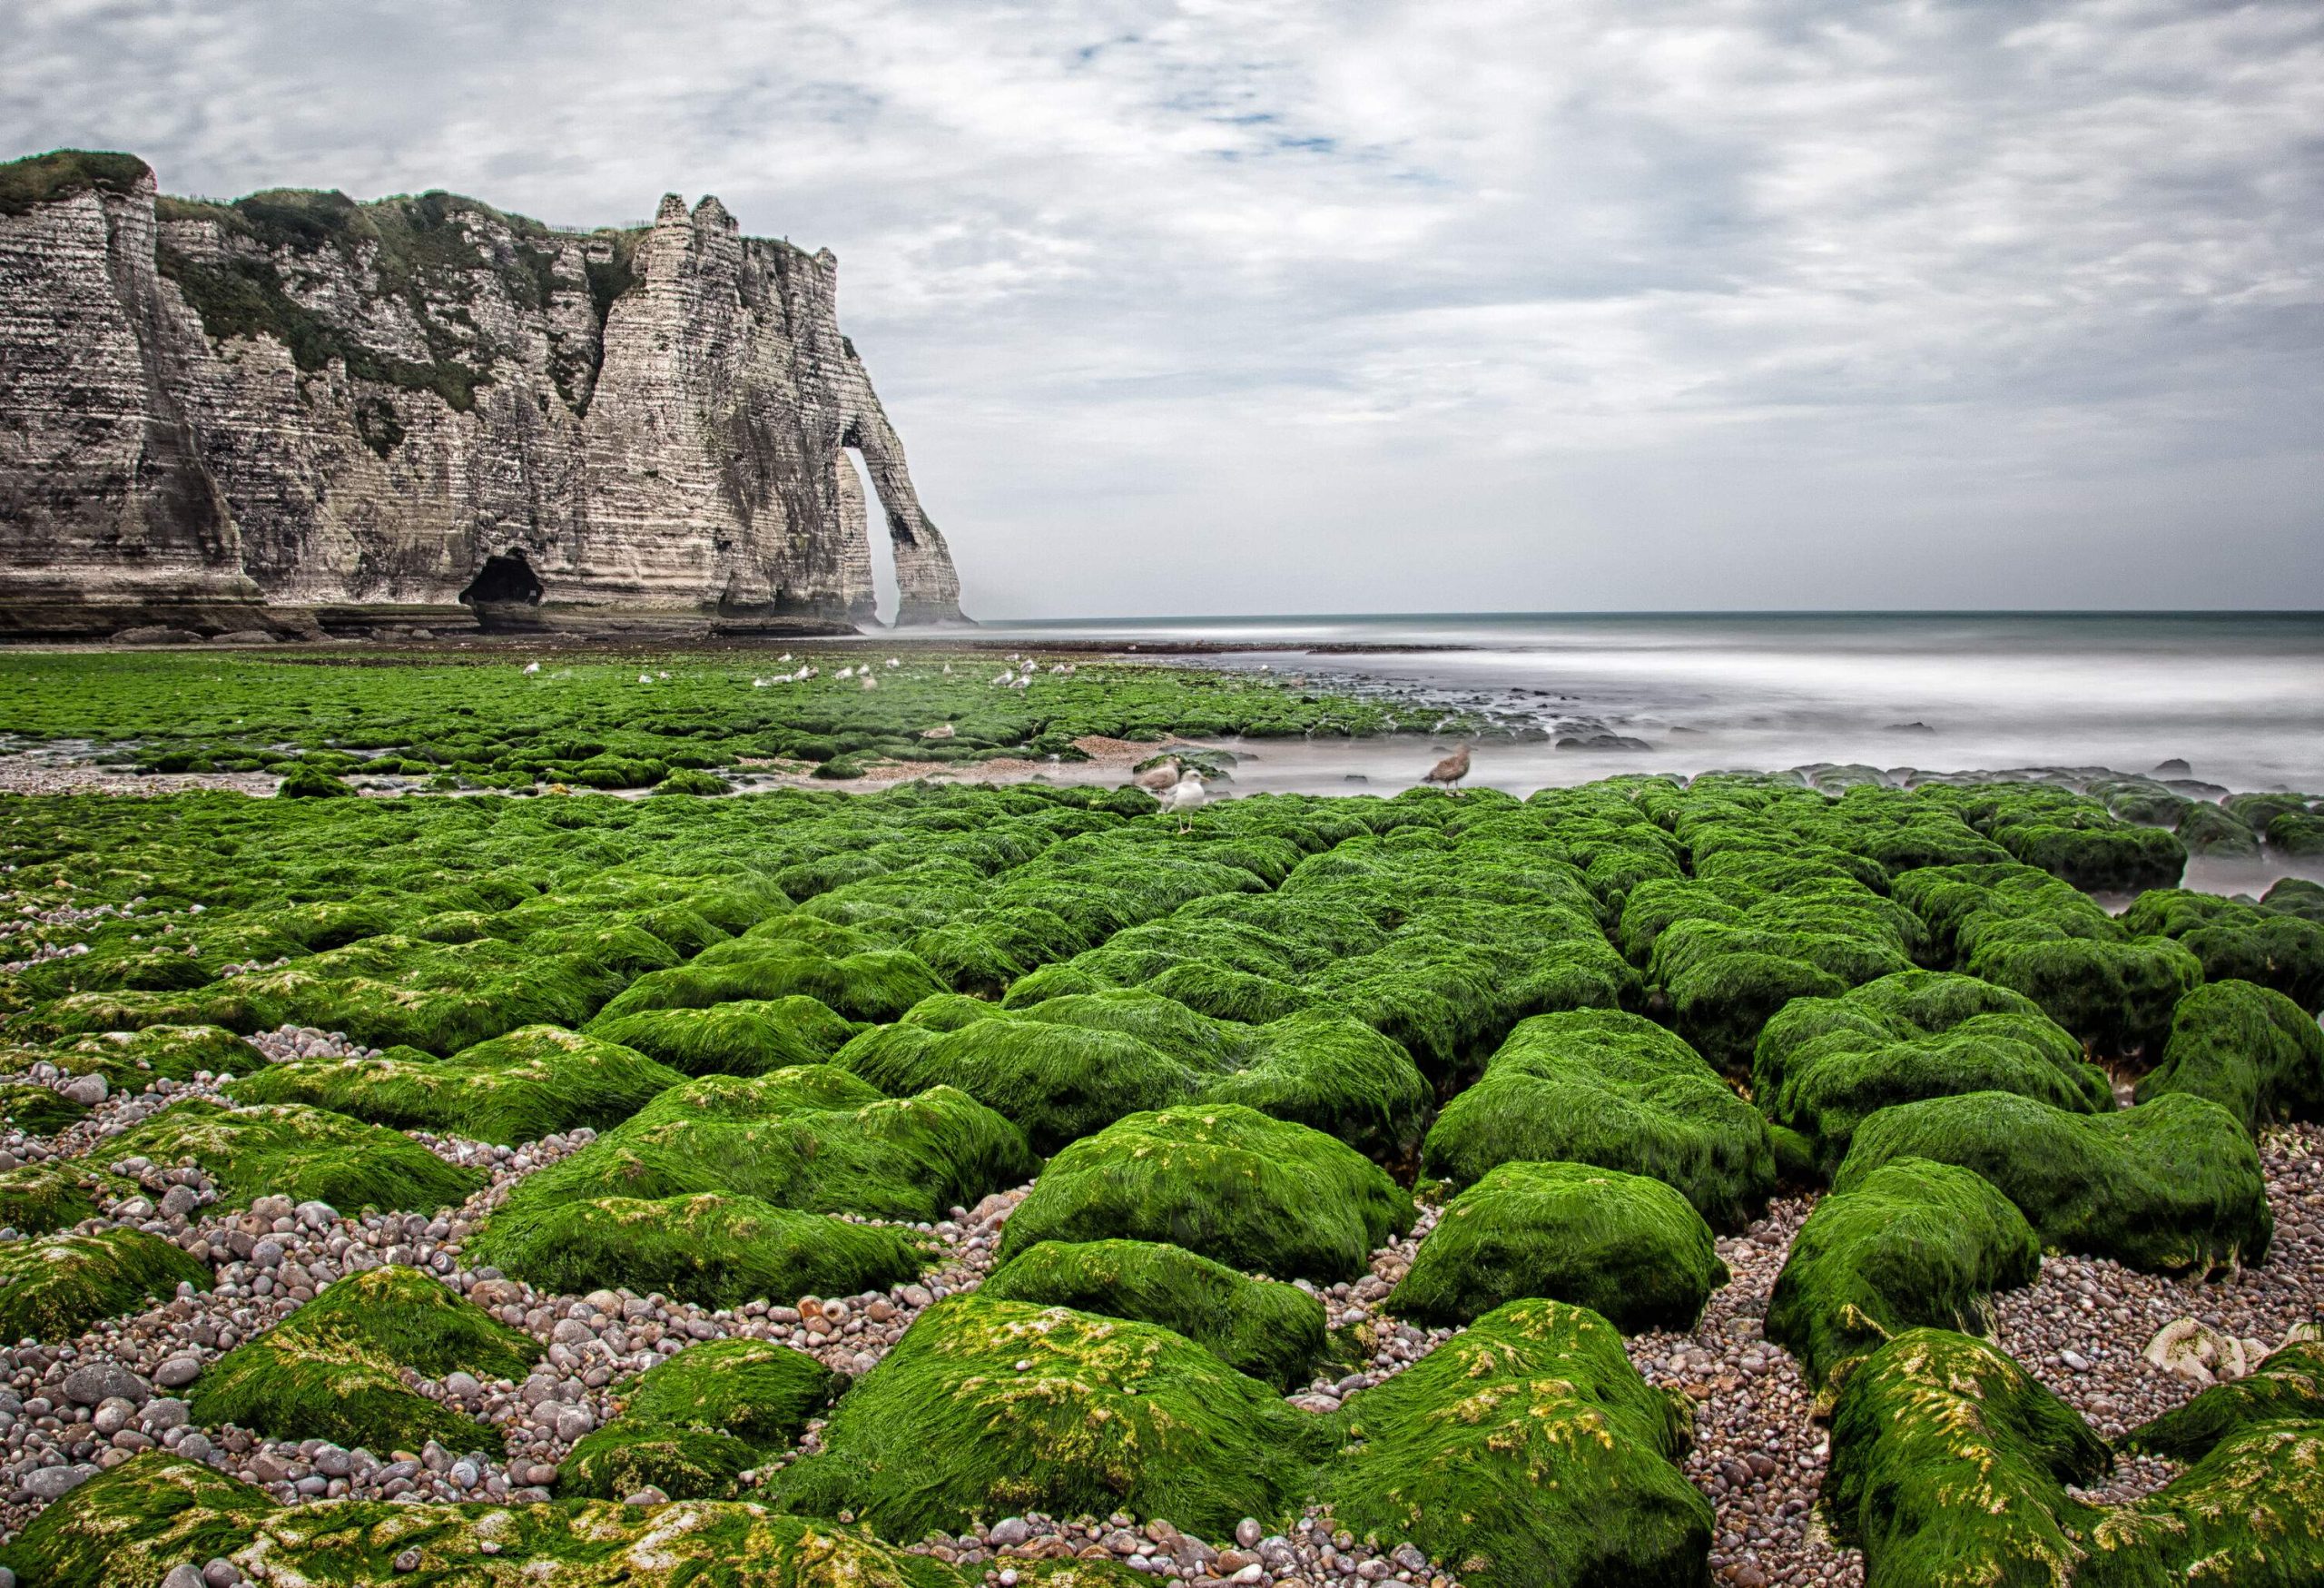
[297,401]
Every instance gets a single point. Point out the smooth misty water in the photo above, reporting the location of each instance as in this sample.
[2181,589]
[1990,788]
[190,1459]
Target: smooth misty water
[2239,698]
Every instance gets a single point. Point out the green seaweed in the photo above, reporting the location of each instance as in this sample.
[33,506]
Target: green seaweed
[330,1370]
[1269,1331]
[1222,1181]
[2169,1185]
[988,1408]
[1912,1245]
[1629,1248]
[1616,1091]
[1526,1450]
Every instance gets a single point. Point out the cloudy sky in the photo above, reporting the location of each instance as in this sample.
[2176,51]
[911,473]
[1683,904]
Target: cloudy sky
[1247,306]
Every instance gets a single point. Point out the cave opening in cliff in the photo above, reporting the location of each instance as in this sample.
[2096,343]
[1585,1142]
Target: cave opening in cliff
[503,579]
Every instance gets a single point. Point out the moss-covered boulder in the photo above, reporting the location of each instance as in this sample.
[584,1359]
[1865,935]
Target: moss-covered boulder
[53,1287]
[712,1249]
[2020,928]
[692,1425]
[36,1110]
[747,1037]
[1336,1073]
[1227,1183]
[2172,1184]
[55,1194]
[2251,1509]
[2288,1387]
[511,1090]
[156,1053]
[330,1370]
[2237,940]
[1629,1248]
[2249,1048]
[1949,1465]
[1526,1451]
[813,1136]
[1824,1064]
[1913,1245]
[1071,1065]
[1056,1082]
[1268,1330]
[1617,1090]
[131,1525]
[874,984]
[306,1154]
[988,1408]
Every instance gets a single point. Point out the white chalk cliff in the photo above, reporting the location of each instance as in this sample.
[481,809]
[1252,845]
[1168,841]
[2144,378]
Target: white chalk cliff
[297,402]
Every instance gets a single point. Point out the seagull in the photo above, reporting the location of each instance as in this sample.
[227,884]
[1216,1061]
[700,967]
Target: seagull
[1022,682]
[845,672]
[1001,680]
[784,657]
[1184,796]
[869,681]
[1157,778]
[758,683]
[941,730]
[531,668]
[893,663]
[1450,770]
[644,678]
[805,673]
[947,669]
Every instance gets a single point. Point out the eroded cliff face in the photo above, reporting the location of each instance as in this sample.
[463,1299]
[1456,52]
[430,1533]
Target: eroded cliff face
[309,402]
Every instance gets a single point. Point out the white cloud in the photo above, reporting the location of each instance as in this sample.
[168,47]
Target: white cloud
[1272,306]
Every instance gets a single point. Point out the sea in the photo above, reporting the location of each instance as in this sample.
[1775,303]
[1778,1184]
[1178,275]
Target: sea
[2204,700]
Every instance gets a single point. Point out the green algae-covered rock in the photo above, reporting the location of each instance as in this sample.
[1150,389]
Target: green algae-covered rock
[1226,1183]
[2207,830]
[328,1371]
[306,1154]
[55,1194]
[2298,835]
[1270,1331]
[2236,940]
[875,984]
[1823,1064]
[712,1249]
[2020,928]
[53,1287]
[1913,1245]
[2251,1511]
[698,1420]
[813,1136]
[1614,1089]
[2252,1051]
[989,1408]
[2288,1387]
[1335,1073]
[508,1090]
[1526,1451]
[1071,1065]
[129,1527]
[1629,1248]
[2171,1184]
[746,1037]
[1057,1082]
[156,1053]
[36,1110]
[1949,1465]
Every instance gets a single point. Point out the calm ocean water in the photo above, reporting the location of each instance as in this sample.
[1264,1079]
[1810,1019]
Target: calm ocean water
[2239,698]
